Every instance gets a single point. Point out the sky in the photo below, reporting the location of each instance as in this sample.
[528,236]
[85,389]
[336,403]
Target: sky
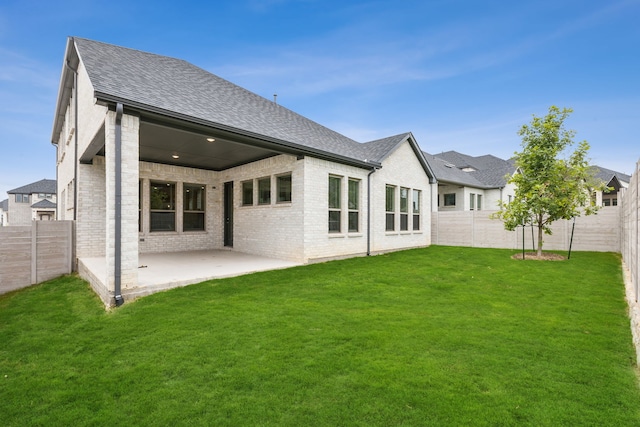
[460,75]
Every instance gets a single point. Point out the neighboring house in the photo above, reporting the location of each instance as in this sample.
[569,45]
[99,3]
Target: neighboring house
[32,202]
[615,181]
[4,212]
[157,155]
[471,183]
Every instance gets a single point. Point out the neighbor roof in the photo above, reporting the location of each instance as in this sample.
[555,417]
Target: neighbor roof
[4,205]
[44,204]
[179,89]
[43,186]
[487,171]
[606,175]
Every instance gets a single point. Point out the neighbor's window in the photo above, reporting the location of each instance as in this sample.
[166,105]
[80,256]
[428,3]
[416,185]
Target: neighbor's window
[193,206]
[264,191]
[247,193]
[416,209]
[404,209]
[472,201]
[390,207]
[283,188]
[22,198]
[335,186]
[479,204]
[354,205]
[450,199]
[162,204]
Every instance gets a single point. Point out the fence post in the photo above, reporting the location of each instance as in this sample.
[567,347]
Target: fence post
[34,252]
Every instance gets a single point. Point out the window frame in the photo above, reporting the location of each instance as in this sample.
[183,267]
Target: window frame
[353,206]
[279,191]
[264,201]
[447,198]
[201,213]
[416,200]
[243,188]
[153,210]
[334,204]
[390,207]
[404,209]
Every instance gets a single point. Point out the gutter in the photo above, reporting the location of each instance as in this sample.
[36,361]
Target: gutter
[373,170]
[118,206]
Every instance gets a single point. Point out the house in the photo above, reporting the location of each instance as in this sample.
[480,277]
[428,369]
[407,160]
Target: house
[155,154]
[467,183]
[615,181]
[31,202]
[4,212]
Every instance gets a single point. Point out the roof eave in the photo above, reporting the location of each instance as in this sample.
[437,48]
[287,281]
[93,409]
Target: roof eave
[269,142]
[71,61]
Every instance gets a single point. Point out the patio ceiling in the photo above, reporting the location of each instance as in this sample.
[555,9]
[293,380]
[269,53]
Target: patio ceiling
[185,144]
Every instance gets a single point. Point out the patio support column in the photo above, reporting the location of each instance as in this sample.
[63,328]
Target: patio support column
[121,177]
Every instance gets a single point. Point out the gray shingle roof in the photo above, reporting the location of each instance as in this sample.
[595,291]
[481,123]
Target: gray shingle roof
[606,175]
[44,204]
[489,171]
[182,89]
[4,205]
[379,149]
[43,186]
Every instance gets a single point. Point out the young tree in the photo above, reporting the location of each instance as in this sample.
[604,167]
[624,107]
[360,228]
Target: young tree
[547,186]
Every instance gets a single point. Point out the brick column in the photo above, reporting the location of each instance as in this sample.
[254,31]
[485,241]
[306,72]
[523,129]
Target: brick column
[129,200]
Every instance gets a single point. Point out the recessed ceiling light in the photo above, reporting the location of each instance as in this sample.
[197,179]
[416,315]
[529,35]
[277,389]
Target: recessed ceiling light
[175,156]
[211,139]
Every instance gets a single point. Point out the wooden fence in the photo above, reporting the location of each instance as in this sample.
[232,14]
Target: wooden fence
[35,253]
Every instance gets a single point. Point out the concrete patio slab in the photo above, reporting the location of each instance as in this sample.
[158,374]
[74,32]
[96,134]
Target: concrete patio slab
[162,271]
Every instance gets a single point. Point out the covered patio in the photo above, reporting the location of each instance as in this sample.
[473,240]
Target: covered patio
[162,271]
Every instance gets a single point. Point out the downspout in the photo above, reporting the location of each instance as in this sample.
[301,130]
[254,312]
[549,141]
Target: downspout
[118,205]
[369,211]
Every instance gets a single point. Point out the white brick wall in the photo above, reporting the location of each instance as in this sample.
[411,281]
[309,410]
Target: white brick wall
[401,169]
[318,242]
[211,238]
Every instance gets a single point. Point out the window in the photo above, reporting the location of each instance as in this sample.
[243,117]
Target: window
[247,193]
[614,202]
[390,208]
[450,199]
[162,203]
[335,185]
[416,209]
[509,198]
[606,202]
[193,207]
[264,191]
[354,205]
[404,209]
[283,188]
[22,198]
[472,201]
[479,202]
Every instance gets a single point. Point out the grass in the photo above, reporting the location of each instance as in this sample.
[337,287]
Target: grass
[436,336]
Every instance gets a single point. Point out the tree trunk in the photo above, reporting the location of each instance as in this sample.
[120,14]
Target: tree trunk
[540,238]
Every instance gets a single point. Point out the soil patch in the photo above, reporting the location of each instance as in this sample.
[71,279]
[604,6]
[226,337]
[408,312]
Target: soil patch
[543,257]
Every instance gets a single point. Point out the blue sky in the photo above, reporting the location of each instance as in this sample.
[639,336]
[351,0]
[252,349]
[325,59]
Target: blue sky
[460,75]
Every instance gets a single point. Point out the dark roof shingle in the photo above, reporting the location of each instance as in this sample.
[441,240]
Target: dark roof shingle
[43,186]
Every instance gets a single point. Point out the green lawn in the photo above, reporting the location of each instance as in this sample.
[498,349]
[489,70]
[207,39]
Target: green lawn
[440,336]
